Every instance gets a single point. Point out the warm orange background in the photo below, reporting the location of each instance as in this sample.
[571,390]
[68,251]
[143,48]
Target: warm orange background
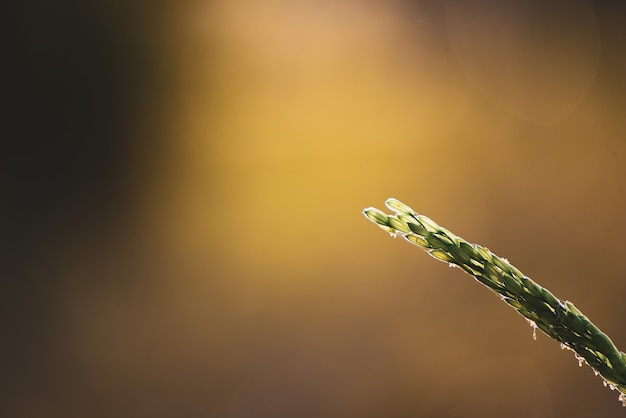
[203,253]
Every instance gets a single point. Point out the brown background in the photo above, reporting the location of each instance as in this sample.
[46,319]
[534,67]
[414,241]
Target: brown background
[183,188]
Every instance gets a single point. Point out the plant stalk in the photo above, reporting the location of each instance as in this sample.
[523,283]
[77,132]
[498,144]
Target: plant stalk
[559,320]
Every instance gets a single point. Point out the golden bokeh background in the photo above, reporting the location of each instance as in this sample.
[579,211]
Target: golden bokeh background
[186,181]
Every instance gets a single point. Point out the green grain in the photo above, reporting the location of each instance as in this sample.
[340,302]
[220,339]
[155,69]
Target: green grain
[559,320]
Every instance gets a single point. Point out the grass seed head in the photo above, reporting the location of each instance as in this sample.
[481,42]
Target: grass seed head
[559,320]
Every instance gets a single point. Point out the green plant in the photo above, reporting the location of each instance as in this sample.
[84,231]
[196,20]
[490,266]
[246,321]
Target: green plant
[559,320]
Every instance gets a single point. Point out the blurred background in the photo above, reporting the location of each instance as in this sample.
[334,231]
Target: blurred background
[182,188]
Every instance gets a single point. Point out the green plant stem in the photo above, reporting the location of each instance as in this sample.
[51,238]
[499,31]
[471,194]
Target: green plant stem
[559,320]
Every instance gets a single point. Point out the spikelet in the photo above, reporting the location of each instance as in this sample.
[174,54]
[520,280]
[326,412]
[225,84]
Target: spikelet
[559,320]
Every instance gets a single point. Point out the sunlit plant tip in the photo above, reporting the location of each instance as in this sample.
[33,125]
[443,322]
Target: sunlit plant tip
[559,320]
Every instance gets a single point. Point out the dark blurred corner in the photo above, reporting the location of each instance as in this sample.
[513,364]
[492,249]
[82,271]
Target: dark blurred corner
[81,75]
